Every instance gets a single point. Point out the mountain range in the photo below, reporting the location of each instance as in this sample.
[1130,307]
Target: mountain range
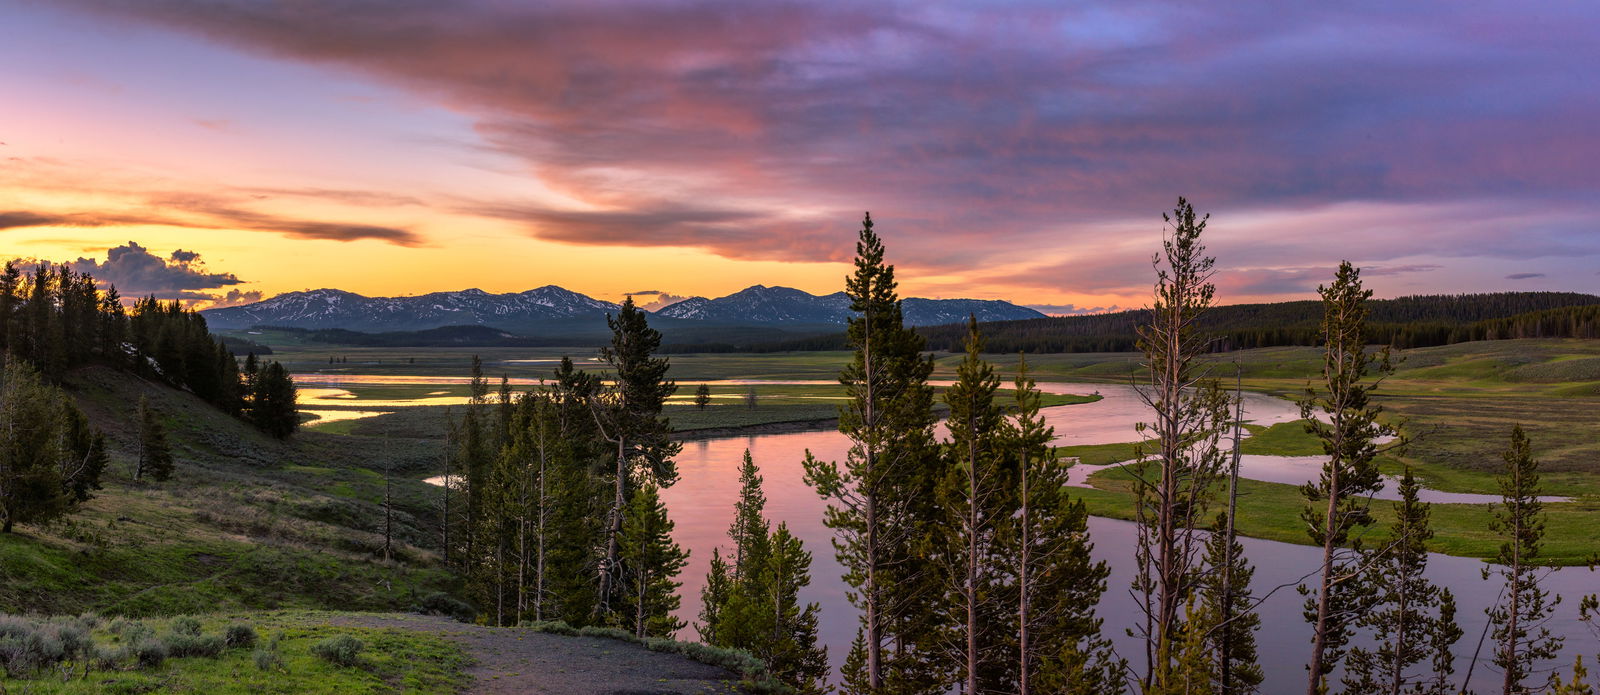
[552,309]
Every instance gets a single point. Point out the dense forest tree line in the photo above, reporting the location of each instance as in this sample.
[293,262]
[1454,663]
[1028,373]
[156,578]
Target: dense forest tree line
[57,319]
[1405,322]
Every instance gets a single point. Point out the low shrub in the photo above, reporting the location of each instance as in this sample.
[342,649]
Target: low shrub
[130,631]
[240,636]
[267,660]
[343,650]
[75,640]
[608,633]
[182,644]
[440,603]
[554,627]
[186,625]
[107,658]
[28,649]
[15,627]
[150,652]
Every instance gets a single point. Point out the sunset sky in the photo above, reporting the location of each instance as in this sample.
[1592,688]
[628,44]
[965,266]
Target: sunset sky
[1015,150]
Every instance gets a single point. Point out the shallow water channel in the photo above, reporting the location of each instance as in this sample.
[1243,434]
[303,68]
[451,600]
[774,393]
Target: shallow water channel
[701,504]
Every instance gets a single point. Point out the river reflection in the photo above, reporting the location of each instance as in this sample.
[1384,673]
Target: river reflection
[701,504]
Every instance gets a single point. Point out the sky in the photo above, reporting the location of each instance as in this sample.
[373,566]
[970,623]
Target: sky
[224,151]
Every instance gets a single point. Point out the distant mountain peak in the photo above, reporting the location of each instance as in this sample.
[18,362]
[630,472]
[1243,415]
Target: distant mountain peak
[532,311]
[779,305]
[331,308]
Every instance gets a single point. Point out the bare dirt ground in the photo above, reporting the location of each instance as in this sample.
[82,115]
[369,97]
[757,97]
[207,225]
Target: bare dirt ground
[509,660]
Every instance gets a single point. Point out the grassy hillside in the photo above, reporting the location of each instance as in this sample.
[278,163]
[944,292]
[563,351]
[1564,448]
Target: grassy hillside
[246,521]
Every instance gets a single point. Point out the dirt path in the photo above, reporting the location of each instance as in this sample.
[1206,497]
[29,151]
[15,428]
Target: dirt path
[509,660]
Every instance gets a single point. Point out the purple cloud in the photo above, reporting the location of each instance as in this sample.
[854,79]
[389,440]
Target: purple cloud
[970,129]
[134,271]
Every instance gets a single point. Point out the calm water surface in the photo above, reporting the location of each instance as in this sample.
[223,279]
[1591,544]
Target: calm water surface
[701,504]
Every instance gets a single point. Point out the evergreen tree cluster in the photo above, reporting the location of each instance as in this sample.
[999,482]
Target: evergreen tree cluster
[50,458]
[751,601]
[552,506]
[968,561]
[58,319]
[1372,609]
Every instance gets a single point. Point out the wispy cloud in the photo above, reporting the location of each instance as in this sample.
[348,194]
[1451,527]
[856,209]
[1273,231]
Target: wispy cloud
[1052,114]
[1524,276]
[1073,309]
[1393,134]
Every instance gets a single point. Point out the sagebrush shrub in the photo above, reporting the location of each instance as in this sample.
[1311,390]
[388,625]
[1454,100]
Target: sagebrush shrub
[239,636]
[150,652]
[343,650]
[106,658]
[267,660]
[554,627]
[186,625]
[180,644]
[13,626]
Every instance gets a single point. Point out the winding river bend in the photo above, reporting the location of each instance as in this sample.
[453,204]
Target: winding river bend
[701,504]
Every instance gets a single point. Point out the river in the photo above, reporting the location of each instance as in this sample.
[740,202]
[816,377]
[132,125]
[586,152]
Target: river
[701,504]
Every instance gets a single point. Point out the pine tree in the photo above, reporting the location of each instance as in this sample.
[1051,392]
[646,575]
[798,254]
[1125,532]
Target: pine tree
[1578,684]
[754,604]
[50,459]
[1227,608]
[702,397]
[575,529]
[155,458]
[1193,665]
[853,676]
[714,598]
[476,457]
[273,407]
[1180,460]
[10,301]
[1226,599]
[790,648]
[1402,616]
[881,504]
[749,529]
[651,561]
[1521,619]
[1344,418]
[976,494]
[634,424]
[1059,646]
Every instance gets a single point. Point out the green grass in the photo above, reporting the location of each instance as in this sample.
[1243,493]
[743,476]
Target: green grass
[246,522]
[148,553]
[1282,439]
[1272,511]
[393,661]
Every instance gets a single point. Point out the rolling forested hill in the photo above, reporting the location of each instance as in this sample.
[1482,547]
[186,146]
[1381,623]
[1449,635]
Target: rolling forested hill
[1405,322]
